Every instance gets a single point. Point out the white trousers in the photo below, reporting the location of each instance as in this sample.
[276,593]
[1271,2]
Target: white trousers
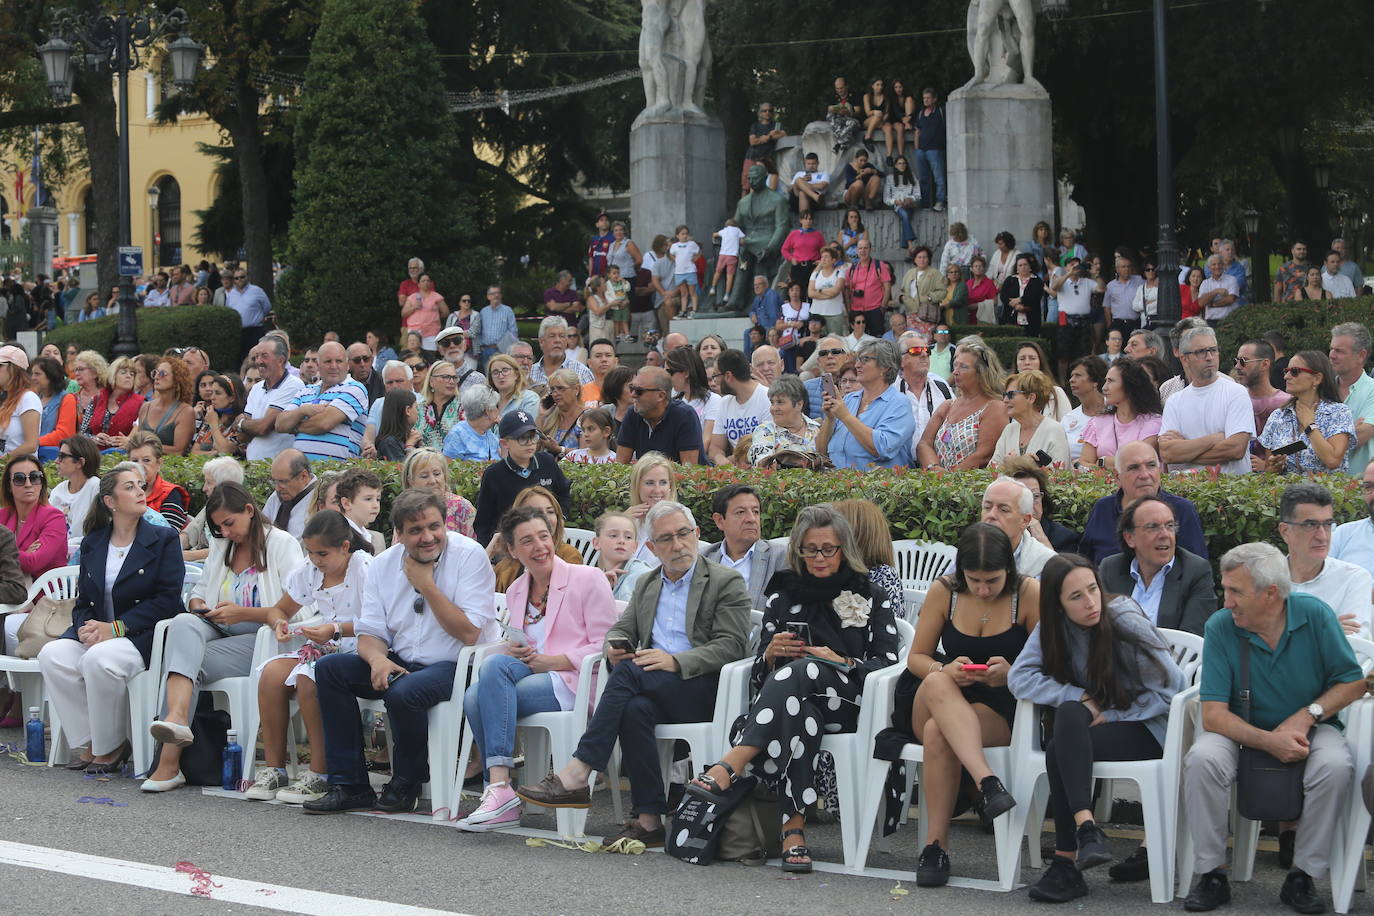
[12,624]
[90,688]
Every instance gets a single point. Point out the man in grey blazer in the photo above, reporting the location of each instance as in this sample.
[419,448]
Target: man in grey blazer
[679,629]
[1175,587]
[736,510]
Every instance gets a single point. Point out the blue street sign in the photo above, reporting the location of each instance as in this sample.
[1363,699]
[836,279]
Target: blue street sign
[130,261]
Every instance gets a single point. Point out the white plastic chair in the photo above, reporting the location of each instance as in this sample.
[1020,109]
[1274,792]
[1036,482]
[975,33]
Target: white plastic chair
[920,563]
[22,674]
[145,702]
[912,599]
[581,539]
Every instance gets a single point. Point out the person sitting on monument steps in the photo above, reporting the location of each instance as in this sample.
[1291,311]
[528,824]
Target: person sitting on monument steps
[680,628]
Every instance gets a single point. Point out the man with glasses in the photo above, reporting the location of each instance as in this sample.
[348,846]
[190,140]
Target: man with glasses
[425,598]
[1173,585]
[1354,541]
[658,422]
[452,344]
[923,388]
[267,399]
[1210,423]
[360,369]
[328,417]
[288,508]
[253,307]
[411,284]
[524,465]
[1254,360]
[396,376]
[1349,351]
[522,351]
[1138,473]
[1306,522]
[553,342]
[678,630]
[830,353]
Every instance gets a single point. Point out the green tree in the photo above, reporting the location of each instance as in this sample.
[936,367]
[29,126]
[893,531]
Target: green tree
[376,179]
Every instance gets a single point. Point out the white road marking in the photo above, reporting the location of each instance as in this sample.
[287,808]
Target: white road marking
[218,887]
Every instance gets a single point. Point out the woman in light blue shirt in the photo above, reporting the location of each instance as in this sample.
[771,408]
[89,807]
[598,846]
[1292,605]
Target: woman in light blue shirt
[871,427]
[474,437]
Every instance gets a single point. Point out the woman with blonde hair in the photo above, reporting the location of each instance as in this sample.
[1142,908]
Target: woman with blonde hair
[559,421]
[873,535]
[106,403]
[962,434]
[508,569]
[428,469]
[652,480]
[1028,430]
[510,383]
[438,403]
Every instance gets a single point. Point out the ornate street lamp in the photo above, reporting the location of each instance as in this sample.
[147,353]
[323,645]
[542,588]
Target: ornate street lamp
[1321,174]
[114,42]
[1252,218]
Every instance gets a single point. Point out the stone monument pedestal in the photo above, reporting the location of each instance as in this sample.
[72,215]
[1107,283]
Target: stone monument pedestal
[677,176]
[1001,160]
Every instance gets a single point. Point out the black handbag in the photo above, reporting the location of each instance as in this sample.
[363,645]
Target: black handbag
[1267,789]
[696,829]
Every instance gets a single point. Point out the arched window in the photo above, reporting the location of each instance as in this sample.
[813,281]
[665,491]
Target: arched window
[169,221]
[88,217]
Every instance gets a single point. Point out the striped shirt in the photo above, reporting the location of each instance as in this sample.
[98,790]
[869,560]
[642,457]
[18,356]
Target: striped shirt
[345,440]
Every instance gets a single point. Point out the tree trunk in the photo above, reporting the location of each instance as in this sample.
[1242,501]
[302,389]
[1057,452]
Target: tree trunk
[98,119]
[245,129]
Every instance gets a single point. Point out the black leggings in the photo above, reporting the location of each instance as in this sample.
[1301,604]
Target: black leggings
[1069,758]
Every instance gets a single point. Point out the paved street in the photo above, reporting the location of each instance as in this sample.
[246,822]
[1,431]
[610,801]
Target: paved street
[293,863]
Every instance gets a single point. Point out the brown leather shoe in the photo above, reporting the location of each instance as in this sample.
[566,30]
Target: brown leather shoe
[634,830]
[550,792]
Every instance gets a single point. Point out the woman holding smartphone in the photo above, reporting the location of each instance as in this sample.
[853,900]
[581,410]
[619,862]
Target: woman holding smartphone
[559,615]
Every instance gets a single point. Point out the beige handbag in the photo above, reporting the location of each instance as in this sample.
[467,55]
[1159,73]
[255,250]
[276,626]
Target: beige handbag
[48,620]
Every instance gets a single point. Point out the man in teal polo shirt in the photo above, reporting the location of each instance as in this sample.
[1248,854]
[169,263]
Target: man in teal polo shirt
[1302,673]
[1349,351]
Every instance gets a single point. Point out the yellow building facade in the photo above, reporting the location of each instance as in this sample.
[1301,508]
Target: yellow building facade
[169,181]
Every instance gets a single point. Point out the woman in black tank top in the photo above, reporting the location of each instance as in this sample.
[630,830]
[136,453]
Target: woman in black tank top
[980,615]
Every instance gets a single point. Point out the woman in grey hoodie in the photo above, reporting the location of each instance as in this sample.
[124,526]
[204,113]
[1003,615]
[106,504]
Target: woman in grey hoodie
[1104,669]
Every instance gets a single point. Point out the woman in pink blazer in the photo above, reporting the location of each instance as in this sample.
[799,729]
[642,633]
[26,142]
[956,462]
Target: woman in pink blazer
[40,530]
[559,615]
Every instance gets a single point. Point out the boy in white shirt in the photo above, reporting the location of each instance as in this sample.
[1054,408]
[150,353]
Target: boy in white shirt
[684,254]
[728,260]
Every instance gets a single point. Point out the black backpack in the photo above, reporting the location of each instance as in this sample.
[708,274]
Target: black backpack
[203,762]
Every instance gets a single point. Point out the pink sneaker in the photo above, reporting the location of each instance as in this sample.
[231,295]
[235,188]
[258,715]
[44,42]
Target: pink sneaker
[500,807]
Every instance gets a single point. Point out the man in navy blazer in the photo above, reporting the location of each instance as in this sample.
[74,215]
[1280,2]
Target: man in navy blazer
[1138,471]
[1173,585]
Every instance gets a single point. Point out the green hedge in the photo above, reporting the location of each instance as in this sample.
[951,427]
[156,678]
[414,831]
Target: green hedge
[1305,325]
[214,329]
[934,506]
[1003,338]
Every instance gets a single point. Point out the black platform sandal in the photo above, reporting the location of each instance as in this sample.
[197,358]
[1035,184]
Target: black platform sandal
[707,789]
[800,851]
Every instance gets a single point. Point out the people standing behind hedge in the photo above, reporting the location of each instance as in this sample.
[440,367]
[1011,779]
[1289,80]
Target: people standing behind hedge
[1133,415]
[1028,430]
[168,413]
[217,423]
[789,428]
[962,433]
[169,499]
[268,398]
[1315,416]
[1099,663]
[58,417]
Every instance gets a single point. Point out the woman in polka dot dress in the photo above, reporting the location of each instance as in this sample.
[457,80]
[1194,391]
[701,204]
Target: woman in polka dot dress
[824,631]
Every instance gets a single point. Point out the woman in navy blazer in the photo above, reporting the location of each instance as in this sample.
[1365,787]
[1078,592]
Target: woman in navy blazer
[131,578]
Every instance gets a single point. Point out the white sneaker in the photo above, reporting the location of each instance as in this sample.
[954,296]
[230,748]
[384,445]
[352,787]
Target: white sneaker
[308,786]
[265,787]
[500,807]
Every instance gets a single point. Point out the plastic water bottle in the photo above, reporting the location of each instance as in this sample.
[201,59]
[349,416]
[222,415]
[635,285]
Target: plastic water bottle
[233,763]
[33,732]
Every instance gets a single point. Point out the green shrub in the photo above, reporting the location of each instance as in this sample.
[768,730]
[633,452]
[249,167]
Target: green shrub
[1003,338]
[1305,325]
[930,506]
[214,329]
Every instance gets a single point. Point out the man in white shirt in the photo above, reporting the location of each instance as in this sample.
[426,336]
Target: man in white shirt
[158,296]
[736,510]
[268,398]
[288,508]
[425,598]
[923,388]
[1353,542]
[809,185]
[1219,292]
[743,408]
[1211,421]
[1073,289]
[1009,505]
[1306,520]
[1333,281]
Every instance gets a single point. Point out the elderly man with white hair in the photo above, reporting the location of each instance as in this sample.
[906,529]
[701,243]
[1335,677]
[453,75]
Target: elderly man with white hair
[1276,671]
[766,365]
[1010,505]
[195,543]
[474,438]
[553,343]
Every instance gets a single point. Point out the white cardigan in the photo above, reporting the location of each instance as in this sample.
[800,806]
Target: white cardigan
[283,555]
[1049,435]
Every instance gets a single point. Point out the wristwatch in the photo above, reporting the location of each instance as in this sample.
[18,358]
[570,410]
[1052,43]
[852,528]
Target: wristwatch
[1307,430]
[1316,712]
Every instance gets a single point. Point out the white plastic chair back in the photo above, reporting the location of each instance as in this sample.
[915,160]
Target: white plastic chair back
[1186,649]
[581,539]
[920,563]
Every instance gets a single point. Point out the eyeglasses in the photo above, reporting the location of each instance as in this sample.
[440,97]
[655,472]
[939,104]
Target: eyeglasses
[19,478]
[527,439]
[161,373]
[501,370]
[942,333]
[637,391]
[1147,270]
[443,376]
[1009,394]
[838,351]
[1295,371]
[1243,361]
[416,367]
[360,359]
[1312,524]
[67,456]
[1156,527]
[667,540]
[1204,351]
[865,359]
[465,299]
[240,277]
[826,550]
[917,351]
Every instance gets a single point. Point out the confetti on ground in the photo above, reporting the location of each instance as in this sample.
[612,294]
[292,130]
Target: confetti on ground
[100,800]
[201,880]
[14,752]
[623,846]
[898,891]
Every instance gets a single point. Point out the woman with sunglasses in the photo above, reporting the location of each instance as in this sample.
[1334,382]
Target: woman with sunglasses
[1133,412]
[40,532]
[168,413]
[1145,303]
[690,386]
[464,317]
[1316,416]
[239,587]
[1028,430]
[78,463]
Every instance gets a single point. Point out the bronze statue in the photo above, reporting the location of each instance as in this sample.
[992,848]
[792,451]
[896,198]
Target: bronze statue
[762,214]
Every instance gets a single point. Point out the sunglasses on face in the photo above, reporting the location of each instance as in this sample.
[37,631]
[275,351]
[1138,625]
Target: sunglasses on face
[19,478]
[360,359]
[66,456]
[917,351]
[161,373]
[637,391]
[1295,371]
[838,351]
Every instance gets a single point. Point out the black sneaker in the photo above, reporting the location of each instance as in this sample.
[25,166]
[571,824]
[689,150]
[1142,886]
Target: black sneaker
[1060,883]
[342,798]
[932,868]
[399,797]
[1135,867]
[1092,846]
[1211,891]
[995,797]
[1299,893]
[1288,840]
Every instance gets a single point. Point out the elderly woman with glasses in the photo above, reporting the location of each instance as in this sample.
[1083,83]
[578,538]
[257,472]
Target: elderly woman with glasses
[871,427]
[788,426]
[1028,430]
[824,631]
[439,405]
[1316,417]
[474,437]
[559,422]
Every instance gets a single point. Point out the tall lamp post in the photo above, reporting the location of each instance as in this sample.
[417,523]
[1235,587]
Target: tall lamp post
[1170,307]
[114,42]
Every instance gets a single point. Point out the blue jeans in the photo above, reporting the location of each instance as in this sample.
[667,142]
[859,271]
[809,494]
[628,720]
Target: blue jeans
[342,678]
[505,690]
[908,234]
[928,162]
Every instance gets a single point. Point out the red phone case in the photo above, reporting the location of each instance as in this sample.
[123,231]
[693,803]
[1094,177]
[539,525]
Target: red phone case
[975,667]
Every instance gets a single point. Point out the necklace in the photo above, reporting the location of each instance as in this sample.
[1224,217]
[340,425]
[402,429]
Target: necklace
[540,604]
